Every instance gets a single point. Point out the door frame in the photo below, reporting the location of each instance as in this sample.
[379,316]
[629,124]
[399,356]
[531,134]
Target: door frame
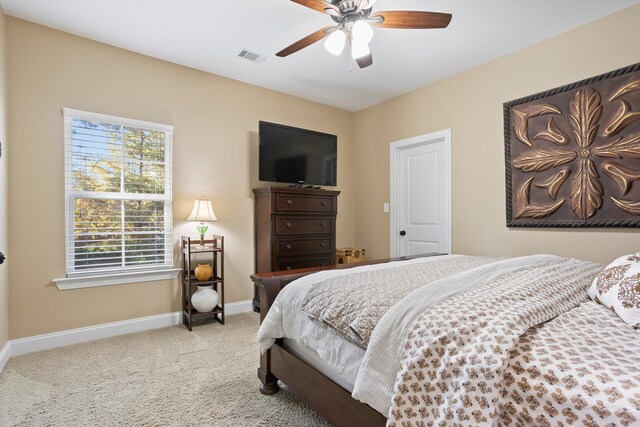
[394,155]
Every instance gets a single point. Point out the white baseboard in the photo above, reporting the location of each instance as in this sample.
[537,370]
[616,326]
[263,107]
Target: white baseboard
[5,353]
[91,333]
[21,346]
[238,307]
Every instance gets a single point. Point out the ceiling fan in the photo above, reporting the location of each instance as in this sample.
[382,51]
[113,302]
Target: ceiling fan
[354,20]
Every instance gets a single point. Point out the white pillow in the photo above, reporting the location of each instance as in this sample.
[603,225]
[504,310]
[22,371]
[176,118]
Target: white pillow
[617,287]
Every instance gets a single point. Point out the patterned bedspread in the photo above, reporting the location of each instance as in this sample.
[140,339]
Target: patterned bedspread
[473,360]
[581,368]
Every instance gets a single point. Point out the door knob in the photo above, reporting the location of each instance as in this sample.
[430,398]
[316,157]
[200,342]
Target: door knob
[403,233]
[2,257]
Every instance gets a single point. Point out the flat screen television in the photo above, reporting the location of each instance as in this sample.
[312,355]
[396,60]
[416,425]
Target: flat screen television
[296,156]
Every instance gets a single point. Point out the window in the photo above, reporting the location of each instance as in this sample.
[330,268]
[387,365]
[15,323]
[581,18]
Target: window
[118,194]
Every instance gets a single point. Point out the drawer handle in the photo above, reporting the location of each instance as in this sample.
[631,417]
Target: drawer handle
[288,268]
[323,244]
[289,202]
[289,225]
[288,246]
[323,203]
[322,224]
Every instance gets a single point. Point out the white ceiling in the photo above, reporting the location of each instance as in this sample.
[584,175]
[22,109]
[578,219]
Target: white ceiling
[209,34]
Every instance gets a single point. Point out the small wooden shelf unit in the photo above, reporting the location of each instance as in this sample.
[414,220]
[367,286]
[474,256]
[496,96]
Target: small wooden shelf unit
[213,254]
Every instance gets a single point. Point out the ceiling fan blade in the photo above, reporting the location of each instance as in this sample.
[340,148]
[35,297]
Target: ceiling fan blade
[319,5]
[305,41]
[410,19]
[365,61]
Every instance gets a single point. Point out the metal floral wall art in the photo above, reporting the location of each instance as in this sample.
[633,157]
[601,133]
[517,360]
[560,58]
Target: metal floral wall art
[573,154]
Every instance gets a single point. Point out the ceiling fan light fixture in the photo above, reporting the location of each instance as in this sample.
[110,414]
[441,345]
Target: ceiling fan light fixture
[362,32]
[359,49]
[335,42]
[353,26]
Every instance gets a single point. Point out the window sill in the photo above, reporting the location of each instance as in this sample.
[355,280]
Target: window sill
[79,282]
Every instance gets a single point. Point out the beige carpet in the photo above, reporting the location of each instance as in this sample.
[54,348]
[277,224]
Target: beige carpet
[161,377]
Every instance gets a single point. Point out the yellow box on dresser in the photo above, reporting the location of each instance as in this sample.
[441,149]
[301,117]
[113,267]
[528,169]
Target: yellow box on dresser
[349,255]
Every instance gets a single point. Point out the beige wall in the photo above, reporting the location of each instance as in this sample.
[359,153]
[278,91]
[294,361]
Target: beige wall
[4,191]
[470,104]
[215,154]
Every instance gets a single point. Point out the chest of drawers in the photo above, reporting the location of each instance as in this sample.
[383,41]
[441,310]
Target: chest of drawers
[294,228]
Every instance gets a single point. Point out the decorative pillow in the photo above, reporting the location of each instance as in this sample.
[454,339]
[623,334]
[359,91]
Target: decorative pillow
[617,287]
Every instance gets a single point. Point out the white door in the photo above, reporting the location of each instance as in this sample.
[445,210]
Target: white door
[421,194]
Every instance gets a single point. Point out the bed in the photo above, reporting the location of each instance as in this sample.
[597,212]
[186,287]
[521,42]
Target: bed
[451,340]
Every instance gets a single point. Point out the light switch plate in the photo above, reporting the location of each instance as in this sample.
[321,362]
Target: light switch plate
[386,207]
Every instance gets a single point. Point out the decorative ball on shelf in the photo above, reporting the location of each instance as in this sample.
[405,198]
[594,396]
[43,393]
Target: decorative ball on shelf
[203,272]
[204,299]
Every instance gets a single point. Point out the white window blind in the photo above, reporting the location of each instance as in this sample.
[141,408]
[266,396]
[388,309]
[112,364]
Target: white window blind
[117,192]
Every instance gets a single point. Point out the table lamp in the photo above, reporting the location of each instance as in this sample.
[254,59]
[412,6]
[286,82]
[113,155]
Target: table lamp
[202,211]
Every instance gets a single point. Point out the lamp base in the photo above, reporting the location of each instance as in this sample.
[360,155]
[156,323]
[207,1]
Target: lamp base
[202,228]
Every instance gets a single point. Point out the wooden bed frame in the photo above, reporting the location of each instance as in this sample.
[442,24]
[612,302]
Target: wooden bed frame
[324,396]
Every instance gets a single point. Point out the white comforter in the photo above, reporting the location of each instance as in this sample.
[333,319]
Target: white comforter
[286,319]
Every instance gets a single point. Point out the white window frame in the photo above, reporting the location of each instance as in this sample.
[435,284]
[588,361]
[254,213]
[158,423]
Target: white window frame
[114,276]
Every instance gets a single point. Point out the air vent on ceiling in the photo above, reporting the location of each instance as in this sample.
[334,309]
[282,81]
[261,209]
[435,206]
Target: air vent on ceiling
[252,56]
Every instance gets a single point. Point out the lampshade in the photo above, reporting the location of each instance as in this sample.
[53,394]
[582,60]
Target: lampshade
[362,32]
[359,49]
[335,42]
[202,211]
